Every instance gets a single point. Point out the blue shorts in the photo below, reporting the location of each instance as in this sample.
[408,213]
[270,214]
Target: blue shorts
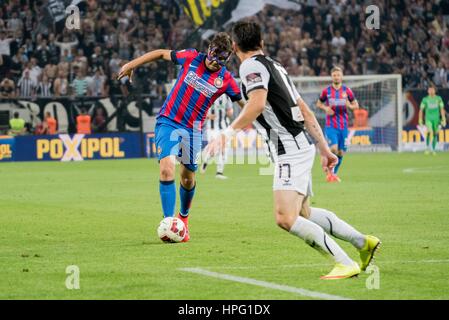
[174,139]
[337,137]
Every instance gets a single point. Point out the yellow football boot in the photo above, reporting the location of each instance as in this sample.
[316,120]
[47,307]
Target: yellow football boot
[341,271]
[367,252]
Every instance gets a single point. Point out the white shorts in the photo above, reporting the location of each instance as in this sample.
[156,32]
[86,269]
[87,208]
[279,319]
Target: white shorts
[293,170]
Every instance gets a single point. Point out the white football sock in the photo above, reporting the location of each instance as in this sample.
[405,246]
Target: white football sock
[337,227]
[315,236]
[206,156]
[220,163]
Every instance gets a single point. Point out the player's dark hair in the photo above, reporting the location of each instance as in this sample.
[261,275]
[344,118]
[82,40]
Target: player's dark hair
[247,35]
[16,114]
[222,41]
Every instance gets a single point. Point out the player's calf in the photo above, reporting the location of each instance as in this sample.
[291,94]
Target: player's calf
[167,189]
[288,204]
[186,194]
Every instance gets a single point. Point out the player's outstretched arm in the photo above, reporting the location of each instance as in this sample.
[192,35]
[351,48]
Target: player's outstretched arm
[253,108]
[328,159]
[128,69]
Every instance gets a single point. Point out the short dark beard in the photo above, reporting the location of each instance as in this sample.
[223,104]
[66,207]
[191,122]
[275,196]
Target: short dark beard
[210,68]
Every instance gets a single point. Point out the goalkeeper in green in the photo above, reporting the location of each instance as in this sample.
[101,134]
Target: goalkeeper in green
[432,108]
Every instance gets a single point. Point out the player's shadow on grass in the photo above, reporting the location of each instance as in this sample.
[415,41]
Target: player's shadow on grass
[157,243]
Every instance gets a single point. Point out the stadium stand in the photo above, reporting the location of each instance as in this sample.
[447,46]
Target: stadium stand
[413,41]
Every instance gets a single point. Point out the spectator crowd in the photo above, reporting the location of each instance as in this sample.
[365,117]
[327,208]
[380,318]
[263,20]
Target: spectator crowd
[412,39]
[37,60]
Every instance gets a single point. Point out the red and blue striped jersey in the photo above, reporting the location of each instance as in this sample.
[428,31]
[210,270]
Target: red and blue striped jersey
[196,89]
[336,99]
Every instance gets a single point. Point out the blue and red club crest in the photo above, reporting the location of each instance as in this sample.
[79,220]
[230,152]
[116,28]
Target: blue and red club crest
[218,83]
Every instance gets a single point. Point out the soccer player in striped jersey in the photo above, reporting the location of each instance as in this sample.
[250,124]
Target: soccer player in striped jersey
[203,78]
[335,101]
[218,120]
[282,116]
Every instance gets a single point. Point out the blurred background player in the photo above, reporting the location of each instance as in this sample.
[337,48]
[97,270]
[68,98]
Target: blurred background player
[203,78]
[50,124]
[17,125]
[335,100]
[218,119]
[433,115]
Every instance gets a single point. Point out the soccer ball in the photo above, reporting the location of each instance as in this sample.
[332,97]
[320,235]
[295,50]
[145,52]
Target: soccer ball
[171,230]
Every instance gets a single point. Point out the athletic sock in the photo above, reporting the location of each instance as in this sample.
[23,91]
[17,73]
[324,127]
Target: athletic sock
[428,141]
[167,191]
[186,200]
[315,236]
[434,142]
[220,163]
[337,227]
[340,160]
[206,158]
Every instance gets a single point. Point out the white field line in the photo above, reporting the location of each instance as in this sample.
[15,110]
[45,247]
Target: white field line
[435,169]
[308,265]
[264,284]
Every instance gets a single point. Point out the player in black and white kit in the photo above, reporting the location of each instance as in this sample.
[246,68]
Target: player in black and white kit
[279,112]
[218,120]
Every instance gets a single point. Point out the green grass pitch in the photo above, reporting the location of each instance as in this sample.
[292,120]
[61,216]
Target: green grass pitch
[102,217]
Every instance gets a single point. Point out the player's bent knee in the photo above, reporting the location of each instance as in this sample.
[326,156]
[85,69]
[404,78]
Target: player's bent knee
[188,182]
[187,179]
[167,174]
[285,221]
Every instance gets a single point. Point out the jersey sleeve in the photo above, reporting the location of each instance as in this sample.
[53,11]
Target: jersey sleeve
[323,96]
[423,104]
[233,90]
[350,93]
[254,75]
[184,56]
[296,93]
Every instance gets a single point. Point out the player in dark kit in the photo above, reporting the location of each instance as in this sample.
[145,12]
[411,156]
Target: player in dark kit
[202,80]
[282,117]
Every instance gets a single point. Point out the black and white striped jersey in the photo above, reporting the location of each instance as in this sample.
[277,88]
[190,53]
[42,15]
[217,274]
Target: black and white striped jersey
[44,89]
[281,121]
[219,109]
[26,87]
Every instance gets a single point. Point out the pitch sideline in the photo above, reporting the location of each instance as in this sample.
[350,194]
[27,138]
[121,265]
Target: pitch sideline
[264,284]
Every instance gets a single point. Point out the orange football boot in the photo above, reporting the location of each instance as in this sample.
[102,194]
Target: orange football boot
[186,223]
